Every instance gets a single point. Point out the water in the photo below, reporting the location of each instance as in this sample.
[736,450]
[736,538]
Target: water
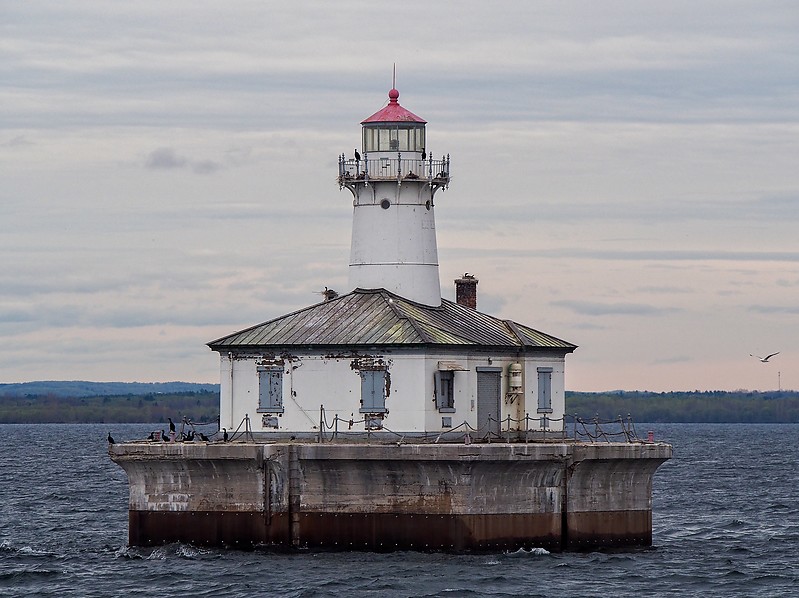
[726,523]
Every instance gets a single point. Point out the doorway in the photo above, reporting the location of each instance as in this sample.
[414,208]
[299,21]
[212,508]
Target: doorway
[489,388]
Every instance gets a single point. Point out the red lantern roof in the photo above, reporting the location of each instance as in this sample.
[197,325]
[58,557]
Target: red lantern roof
[393,113]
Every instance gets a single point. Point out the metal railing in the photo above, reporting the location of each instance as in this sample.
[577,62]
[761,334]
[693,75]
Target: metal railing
[536,428]
[508,429]
[399,168]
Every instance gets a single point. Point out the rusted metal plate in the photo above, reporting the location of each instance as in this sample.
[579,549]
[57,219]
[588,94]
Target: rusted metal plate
[208,528]
[590,530]
[379,532]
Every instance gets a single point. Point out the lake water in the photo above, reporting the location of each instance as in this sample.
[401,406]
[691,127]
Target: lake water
[726,523]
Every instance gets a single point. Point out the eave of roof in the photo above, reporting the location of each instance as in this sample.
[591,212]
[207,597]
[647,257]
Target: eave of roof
[376,317]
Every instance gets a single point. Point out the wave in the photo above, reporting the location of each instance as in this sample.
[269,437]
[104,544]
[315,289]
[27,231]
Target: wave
[531,552]
[28,575]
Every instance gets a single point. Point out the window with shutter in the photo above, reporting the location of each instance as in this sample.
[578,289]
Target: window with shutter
[544,390]
[270,389]
[373,391]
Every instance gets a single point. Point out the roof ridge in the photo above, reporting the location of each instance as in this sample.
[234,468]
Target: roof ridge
[516,332]
[392,303]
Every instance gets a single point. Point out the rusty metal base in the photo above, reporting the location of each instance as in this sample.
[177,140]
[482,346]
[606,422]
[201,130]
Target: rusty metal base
[385,532]
[205,528]
[608,529]
[382,532]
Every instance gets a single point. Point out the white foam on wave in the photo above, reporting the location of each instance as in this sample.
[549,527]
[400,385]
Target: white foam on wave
[186,551]
[159,554]
[33,551]
[532,552]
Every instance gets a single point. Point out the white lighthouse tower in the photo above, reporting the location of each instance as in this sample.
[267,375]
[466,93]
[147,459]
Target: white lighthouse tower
[393,180]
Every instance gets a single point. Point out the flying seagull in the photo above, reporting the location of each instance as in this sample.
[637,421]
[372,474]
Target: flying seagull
[766,358]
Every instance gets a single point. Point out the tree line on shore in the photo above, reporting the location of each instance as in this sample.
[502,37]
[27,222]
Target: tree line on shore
[742,406]
[203,406]
[200,406]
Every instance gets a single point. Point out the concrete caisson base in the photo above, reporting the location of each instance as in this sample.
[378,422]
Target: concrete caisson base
[383,497]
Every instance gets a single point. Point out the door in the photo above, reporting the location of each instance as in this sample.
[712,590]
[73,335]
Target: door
[488,396]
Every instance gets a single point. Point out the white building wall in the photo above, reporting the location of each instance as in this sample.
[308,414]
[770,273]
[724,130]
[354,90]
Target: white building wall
[311,381]
[225,391]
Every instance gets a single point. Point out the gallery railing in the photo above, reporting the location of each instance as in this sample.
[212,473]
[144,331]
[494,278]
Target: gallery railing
[399,168]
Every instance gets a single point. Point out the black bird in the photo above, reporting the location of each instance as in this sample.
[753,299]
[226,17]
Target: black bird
[171,425]
[110,439]
[203,437]
[329,294]
[151,436]
[357,156]
[224,435]
[424,154]
[164,437]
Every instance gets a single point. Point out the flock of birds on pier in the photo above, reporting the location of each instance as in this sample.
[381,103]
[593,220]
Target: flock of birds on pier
[173,436]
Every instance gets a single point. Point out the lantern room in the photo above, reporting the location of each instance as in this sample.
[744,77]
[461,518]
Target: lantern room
[393,129]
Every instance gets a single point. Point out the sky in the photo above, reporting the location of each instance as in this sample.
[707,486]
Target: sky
[625,176]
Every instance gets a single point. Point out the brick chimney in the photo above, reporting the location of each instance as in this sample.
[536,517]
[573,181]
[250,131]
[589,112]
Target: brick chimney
[466,291]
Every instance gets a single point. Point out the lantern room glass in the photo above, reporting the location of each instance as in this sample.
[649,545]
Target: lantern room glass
[393,138]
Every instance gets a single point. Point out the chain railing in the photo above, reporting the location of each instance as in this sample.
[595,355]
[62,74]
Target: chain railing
[614,430]
[509,429]
[538,428]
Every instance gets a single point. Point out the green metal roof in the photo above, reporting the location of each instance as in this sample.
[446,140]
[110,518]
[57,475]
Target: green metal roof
[378,317]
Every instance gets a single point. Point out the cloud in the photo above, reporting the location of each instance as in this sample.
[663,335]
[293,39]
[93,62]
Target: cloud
[666,290]
[590,308]
[18,141]
[774,309]
[205,166]
[616,159]
[165,158]
[673,360]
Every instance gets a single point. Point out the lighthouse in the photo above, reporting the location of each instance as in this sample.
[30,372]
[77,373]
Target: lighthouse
[393,181]
[388,418]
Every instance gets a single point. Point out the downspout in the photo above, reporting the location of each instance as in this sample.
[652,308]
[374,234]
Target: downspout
[230,398]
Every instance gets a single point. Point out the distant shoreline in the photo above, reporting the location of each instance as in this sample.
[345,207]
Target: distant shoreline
[141,402]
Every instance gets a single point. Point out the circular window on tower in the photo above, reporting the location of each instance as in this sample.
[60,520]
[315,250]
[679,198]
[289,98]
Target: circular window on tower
[385,204]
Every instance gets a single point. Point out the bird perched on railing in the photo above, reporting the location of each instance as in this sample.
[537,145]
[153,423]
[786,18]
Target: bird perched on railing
[357,155]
